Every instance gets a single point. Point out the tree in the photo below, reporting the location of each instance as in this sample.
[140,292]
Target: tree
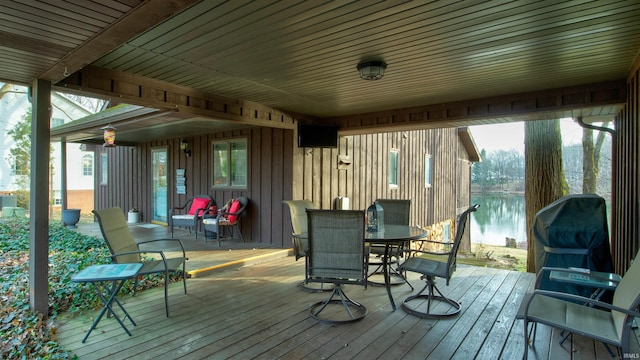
[20,152]
[589,168]
[591,159]
[544,180]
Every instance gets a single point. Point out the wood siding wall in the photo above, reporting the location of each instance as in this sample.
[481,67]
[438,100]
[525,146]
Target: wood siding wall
[279,170]
[269,178]
[318,178]
[626,186]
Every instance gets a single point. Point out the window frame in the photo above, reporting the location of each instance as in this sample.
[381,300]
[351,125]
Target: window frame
[87,169]
[104,168]
[427,170]
[230,178]
[394,153]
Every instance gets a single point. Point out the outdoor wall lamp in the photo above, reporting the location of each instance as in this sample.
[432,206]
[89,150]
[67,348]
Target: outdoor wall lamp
[184,145]
[372,70]
[109,136]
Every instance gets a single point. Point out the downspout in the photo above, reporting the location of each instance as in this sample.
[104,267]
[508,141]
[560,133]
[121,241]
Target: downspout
[614,163]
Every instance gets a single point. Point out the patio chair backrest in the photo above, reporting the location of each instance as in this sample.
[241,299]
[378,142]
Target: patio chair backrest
[336,246]
[299,214]
[396,211]
[627,295]
[116,233]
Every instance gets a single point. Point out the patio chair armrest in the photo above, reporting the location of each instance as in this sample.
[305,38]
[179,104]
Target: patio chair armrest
[167,239]
[298,248]
[414,252]
[173,209]
[140,252]
[580,299]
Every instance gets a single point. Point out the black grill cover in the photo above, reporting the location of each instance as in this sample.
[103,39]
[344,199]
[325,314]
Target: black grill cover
[572,232]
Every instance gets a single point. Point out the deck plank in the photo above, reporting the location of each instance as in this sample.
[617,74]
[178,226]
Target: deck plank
[257,310]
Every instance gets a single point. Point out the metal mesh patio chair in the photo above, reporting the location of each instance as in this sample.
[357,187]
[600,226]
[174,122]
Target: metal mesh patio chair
[396,212]
[434,264]
[337,256]
[124,249]
[586,316]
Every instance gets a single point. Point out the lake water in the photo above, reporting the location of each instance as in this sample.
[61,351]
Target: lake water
[499,216]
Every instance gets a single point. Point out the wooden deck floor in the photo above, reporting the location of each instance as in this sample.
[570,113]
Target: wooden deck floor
[260,312]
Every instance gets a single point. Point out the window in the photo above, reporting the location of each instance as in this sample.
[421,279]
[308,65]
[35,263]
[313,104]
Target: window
[230,163]
[393,168]
[19,165]
[427,170]
[104,166]
[87,164]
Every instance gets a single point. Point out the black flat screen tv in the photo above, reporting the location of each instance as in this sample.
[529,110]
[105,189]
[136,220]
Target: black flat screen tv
[322,136]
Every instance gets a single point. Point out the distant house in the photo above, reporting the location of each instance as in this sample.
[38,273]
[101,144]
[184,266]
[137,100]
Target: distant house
[14,105]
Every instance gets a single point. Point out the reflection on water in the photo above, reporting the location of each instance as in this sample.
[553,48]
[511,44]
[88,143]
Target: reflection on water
[499,216]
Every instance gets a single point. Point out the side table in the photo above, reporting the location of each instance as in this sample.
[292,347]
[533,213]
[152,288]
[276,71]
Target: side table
[107,280]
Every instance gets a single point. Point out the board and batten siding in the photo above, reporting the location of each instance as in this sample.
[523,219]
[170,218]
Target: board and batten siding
[318,177]
[269,179]
[625,211]
[279,170]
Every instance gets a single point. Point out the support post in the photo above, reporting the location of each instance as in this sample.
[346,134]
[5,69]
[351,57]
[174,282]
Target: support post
[39,195]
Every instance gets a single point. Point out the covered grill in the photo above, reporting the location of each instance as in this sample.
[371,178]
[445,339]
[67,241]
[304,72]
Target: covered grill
[572,232]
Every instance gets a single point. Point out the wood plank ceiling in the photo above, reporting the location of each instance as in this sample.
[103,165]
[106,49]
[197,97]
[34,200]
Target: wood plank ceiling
[301,56]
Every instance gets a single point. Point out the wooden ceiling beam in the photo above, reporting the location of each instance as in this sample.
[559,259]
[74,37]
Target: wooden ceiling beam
[146,15]
[601,99]
[142,91]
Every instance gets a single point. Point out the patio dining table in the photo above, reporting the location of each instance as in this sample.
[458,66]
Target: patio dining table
[392,234]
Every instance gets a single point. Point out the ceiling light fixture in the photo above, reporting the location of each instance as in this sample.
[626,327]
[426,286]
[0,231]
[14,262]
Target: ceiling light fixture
[372,70]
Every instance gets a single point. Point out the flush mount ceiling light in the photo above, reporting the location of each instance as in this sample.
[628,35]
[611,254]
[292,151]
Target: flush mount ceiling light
[372,70]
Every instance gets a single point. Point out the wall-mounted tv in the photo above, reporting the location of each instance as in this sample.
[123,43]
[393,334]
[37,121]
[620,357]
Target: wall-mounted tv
[312,135]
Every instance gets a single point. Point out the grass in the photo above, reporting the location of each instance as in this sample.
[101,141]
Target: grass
[494,256]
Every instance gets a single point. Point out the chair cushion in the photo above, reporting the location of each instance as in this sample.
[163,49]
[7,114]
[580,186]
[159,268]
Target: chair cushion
[182,217]
[198,203]
[234,208]
[214,221]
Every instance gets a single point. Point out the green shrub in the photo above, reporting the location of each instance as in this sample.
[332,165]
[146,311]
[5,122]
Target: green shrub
[23,332]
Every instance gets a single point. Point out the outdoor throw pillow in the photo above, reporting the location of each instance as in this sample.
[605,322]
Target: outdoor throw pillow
[198,203]
[232,210]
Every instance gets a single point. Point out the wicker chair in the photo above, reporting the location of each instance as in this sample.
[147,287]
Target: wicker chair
[227,218]
[195,208]
[337,256]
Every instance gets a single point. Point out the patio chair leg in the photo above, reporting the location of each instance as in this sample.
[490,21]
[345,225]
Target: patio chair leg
[166,292]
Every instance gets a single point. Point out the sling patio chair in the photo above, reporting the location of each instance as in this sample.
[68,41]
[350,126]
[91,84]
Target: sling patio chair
[299,237]
[396,212]
[431,265]
[124,249]
[337,256]
[611,324]
[190,214]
